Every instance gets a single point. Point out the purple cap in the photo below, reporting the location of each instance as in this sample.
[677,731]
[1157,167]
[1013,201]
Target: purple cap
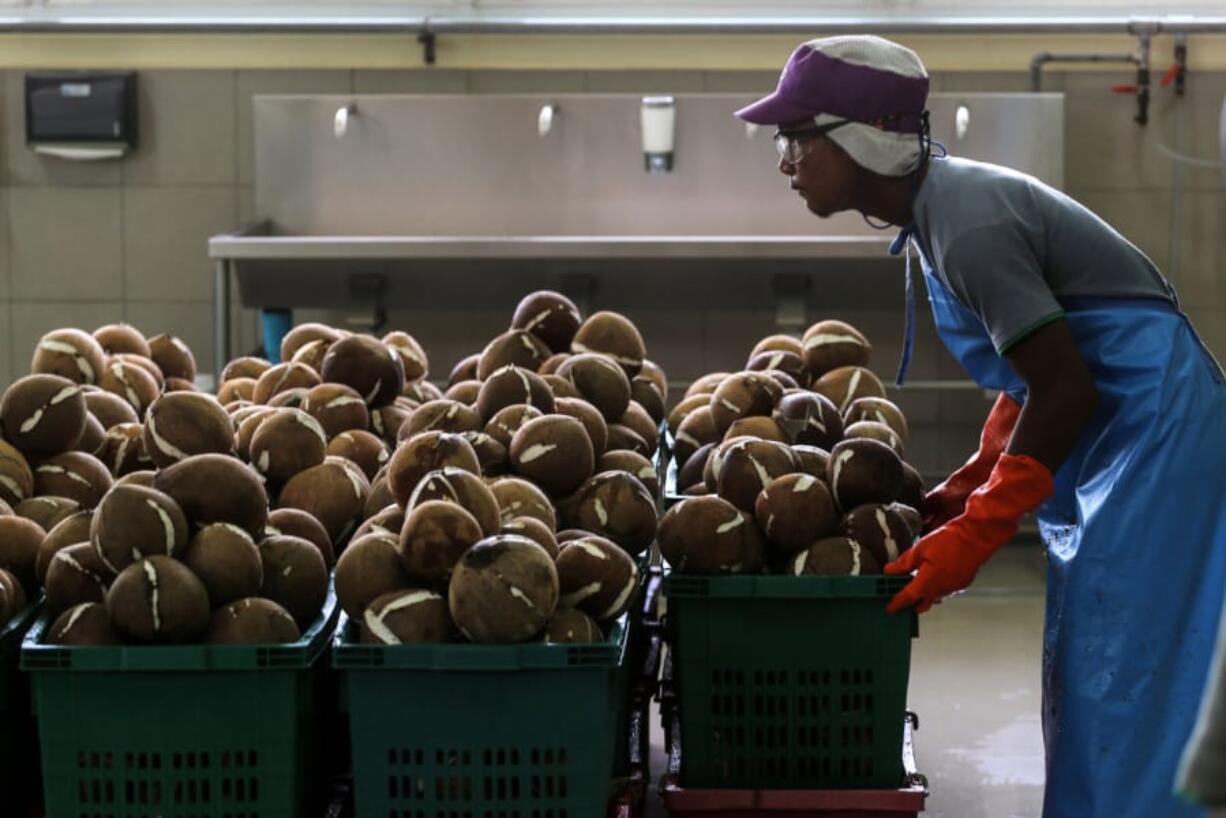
[816,82]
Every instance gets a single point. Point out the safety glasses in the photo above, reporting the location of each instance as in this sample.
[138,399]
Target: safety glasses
[794,146]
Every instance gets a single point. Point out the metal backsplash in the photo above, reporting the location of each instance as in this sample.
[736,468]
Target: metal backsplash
[469,165]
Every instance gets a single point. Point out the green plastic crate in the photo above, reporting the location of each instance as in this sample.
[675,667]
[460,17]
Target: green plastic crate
[789,682]
[185,731]
[512,731]
[18,761]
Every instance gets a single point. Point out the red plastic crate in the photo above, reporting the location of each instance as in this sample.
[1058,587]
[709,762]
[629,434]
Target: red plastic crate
[907,802]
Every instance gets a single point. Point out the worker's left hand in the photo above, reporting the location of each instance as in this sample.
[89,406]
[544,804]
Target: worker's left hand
[947,560]
[944,562]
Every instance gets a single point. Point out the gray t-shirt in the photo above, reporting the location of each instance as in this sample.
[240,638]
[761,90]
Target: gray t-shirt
[1010,247]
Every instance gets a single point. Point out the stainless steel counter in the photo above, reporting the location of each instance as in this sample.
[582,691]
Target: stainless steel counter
[247,246]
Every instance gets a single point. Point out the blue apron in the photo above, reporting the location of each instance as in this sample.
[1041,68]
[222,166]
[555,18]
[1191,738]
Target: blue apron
[1136,540]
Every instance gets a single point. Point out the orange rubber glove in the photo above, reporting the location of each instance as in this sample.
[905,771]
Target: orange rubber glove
[948,500]
[947,560]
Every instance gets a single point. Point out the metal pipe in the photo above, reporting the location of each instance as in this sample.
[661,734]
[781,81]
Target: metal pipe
[1143,75]
[1044,57]
[1181,63]
[1144,35]
[1174,225]
[58,21]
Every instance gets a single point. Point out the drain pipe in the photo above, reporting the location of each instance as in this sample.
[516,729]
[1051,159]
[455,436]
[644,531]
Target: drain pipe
[1175,225]
[1143,72]
[1140,60]
[1043,58]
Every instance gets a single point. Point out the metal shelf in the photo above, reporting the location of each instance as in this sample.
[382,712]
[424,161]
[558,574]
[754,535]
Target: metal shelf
[238,246]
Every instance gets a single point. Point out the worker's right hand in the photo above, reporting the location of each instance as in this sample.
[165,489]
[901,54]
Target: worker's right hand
[948,500]
[946,561]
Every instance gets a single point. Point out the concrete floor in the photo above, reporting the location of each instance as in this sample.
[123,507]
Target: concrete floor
[975,686]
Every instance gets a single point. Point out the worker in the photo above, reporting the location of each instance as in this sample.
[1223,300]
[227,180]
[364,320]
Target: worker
[1111,422]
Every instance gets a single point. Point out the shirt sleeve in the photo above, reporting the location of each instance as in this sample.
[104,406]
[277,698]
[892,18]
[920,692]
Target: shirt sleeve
[996,273]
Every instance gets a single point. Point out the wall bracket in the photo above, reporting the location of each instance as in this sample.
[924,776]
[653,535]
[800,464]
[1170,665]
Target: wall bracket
[428,41]
[791,302]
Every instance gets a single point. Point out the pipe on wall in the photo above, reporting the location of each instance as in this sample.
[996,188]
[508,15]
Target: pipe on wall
[95,19]
[1140,60]
[1045,57]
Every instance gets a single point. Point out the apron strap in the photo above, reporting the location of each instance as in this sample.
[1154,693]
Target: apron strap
[902,243]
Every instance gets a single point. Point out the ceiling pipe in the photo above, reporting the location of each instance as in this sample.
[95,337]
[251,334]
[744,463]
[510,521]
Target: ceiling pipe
[44,20]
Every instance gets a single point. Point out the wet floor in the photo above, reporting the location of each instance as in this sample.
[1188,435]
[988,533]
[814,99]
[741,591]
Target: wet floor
[975,686]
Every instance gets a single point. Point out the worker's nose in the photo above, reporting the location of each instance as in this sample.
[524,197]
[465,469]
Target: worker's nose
[786,167]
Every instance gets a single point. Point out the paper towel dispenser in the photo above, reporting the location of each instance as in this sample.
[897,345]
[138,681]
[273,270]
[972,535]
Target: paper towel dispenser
[81,115]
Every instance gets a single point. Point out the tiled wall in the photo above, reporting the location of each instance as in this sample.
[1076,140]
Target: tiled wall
[85,244]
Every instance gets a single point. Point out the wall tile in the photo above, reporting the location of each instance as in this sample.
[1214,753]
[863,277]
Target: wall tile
[166,231]
[245,196]
[419,81]
[197,132]
[1104,148]
[1141,216]
[525,82]
[1202,112]
[250,83]
[7,352]
[447,335]
[1189,126]
[190,321]
[187,129]
[923,445]
[885,329]
[949,367]
[30,320]
[647,82]
[957,442]
[737,82]
[729,334]
[998,82]
[247,332]
[22,166]
[673,337]
[6,245]
[965,407]
[66,243]
[860,284]
[246,329]
[920,406]
[1202,261]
